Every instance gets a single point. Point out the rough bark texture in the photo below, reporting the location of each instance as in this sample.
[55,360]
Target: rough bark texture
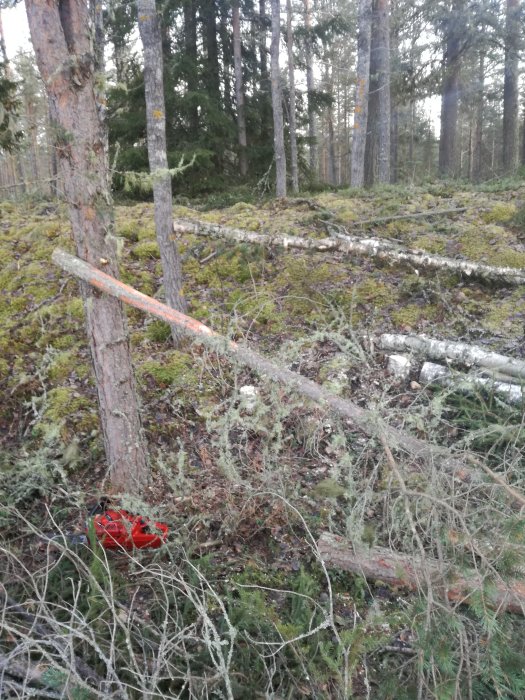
[357,177]
[150,35]
[3,50]
[310,87]
[402,570]
[366,421]
[510,87]
[64,54]
[291,85]
[277,103]
[239,89]
[372,127]
[383,64]
[479,109]
[454,29]
[373,247]
[459,352]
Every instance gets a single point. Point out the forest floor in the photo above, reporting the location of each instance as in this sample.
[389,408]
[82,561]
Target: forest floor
[248,486]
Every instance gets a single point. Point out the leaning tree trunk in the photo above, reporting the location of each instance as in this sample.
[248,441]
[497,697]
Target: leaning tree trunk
[383,60]
[450,92]
[357,177]
[510,88]
[64,55]
[239,89]
[291,80]
[150,35]
[277,103]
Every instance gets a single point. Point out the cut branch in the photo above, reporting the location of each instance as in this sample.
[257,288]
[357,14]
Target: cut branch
[349,245]
[418,215]
[459,352]
[402,570]
[367,421]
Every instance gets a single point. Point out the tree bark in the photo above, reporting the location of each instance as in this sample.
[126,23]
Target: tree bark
[402,570]
[454,29]
[310,88]
[150,35]
[510,87]
[239,89]
[357,176]
[350,245]
[291,80]
[364,420]
[3,50]
[64,55]
[459,352]
[432,373]
[477,163]
[383,65]
[277,103]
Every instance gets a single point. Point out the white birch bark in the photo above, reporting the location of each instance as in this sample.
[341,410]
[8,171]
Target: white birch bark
[458,352]
[372,247]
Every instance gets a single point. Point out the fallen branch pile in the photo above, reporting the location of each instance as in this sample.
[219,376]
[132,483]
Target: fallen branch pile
[401,570]
[374,247]
[400,217]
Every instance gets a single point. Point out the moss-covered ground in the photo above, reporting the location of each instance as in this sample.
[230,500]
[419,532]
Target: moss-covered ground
[308,310]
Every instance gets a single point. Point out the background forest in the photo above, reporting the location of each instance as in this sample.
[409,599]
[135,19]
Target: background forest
[342,524]
[442,77]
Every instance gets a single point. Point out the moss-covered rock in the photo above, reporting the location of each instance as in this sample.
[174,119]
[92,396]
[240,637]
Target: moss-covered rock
[501,213]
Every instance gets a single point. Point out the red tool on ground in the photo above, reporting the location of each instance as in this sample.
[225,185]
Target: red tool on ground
[116,528]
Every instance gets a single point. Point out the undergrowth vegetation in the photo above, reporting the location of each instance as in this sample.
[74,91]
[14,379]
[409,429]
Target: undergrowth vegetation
[239,604]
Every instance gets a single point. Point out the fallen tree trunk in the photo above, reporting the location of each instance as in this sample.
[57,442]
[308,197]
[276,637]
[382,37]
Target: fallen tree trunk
[366,421]
[398,217]
[402,570]
[372,247]
[459,352]
[431,373]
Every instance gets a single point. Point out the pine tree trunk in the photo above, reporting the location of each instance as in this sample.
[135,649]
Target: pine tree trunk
[357,176]
[3,50]
[477,138]
[64,55]
[454,27]
[150,35]
[372,130]
[383,64]
[510,88]
[291,80]
[264,84]
[310,87]
[227,60]
[277,103]
[239,90]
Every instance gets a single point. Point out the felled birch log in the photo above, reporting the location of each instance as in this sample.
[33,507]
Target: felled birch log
[459,352]
[404,571]
[366,421]
[431,373]
[372,247]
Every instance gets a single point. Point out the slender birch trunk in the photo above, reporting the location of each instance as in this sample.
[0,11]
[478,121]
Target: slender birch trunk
[357,176]
[277,103]
[291,80]
[239,89]
[65,58]
[150,35]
